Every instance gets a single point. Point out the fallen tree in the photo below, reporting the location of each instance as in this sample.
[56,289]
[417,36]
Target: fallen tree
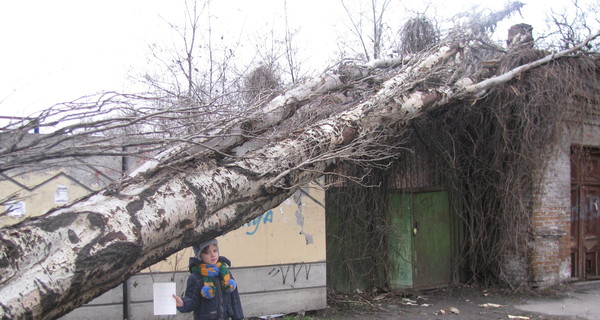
[203,188]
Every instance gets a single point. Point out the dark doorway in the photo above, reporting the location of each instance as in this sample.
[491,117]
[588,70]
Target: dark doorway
[585,213]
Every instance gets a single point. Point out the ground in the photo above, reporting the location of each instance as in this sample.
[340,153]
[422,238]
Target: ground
[463,302]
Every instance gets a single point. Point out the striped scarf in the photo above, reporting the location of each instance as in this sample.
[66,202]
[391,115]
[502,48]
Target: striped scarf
[209,273]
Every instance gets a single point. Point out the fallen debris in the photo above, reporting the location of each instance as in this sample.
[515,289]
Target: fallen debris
[454,310]
[451,310]
[491,305]
[409,302]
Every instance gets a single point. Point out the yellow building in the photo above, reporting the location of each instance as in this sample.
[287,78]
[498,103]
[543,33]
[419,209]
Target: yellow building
[278,258]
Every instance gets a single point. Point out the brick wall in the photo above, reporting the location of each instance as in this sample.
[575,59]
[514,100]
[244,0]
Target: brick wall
[550,251]
[551,209]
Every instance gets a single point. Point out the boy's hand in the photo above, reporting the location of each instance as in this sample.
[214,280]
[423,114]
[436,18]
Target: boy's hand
[178,301]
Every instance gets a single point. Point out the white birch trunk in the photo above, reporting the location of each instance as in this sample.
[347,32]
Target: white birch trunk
[54,263]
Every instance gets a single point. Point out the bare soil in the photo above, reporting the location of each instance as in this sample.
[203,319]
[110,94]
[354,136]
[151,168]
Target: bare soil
[464,302]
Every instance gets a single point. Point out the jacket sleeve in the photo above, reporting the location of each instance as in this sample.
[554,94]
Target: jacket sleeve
[236,304]
[191,299]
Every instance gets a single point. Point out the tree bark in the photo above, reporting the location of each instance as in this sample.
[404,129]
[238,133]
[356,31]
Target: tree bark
[65,258]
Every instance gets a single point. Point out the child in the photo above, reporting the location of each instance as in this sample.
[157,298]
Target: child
[211,291]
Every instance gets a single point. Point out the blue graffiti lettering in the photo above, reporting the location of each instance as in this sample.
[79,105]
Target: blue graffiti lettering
[268,217]
[262,219]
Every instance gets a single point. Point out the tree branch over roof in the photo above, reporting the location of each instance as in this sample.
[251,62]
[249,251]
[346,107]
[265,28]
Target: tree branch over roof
[214,180]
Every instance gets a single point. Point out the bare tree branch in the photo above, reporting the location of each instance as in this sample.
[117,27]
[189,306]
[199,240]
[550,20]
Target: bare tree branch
[217,171]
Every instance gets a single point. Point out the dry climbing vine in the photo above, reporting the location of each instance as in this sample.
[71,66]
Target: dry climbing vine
[492,154]
[489,154]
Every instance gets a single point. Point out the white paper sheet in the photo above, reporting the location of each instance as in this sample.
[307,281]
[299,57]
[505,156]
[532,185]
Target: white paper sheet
[61,195]
[15,209]
[164,303]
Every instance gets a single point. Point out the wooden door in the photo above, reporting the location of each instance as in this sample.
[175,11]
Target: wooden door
[585,213]
[421,240]
[400,240]
[432,240]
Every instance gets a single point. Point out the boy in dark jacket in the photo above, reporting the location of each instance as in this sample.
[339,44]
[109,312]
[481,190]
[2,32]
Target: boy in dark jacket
[211,290]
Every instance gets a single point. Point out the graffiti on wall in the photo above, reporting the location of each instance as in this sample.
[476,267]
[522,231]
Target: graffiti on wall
[268,217]
[291,273]
[264,218]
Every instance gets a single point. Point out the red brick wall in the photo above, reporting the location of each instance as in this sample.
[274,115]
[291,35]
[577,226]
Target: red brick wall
[550,243]
[550,246]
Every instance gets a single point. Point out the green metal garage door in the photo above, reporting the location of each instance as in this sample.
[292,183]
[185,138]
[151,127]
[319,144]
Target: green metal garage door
[420,240]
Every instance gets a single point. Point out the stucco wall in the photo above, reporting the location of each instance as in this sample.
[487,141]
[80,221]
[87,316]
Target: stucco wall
[40,190]
[264,291]
[278,258]
[278,261]
[290,233]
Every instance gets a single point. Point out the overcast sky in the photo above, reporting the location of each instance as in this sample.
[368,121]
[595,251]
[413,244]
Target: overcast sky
[59,50]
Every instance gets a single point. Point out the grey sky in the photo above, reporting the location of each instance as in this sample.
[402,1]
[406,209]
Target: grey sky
[59,50]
